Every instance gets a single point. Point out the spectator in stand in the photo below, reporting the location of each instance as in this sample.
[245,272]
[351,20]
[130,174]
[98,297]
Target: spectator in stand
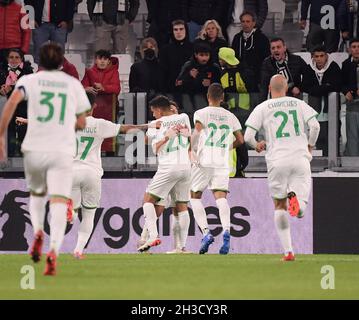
[211,33]
[319,79]
[10,72]
[237,83]
[174,55]
[281,61]
[236,7]
[145,76]
[251,46]
[12,34]
[197,12]
[196,76]
[111,19]
[350,88]
[103,81]
[53,20]
[160,16]
[325,26]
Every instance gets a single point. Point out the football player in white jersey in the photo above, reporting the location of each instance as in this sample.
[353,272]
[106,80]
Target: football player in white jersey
[56,104]
[212,140]
[288,153]
[86,187]
[180,223]
[171,144]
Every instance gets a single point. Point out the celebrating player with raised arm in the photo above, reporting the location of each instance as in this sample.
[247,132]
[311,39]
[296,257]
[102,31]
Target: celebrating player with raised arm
[56,104]
[211,142]
[288,153]
[171,144]
[86,187]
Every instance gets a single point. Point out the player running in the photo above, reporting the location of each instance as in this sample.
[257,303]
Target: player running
[288,153]
[171,144]
[56,104]
[86,187]
[211,142]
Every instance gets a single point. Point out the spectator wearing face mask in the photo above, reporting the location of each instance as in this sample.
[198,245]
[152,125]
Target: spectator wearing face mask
[145,75]
[10,72]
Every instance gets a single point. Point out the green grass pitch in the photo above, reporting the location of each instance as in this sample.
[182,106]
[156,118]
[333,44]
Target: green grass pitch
[159,276]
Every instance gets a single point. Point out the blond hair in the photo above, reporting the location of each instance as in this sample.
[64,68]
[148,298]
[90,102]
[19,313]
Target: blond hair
[202,34]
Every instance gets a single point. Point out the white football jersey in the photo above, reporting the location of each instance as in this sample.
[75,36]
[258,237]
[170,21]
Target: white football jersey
[89,141]
[173,154]
[283,120]
[53,101]
[216,137]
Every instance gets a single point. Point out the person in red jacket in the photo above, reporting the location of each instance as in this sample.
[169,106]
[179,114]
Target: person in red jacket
[15,32]
[103,80]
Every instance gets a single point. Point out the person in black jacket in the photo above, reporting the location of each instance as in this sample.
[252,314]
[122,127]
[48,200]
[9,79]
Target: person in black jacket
[53,20]
[195,77]
[111,19]
[145,76]
[281,61]
[10,72]
[319,79]
[327,19]
[251,46]
[235,9]
[350,88]
[199,73]
[161,14]
[197,12]
[174,55]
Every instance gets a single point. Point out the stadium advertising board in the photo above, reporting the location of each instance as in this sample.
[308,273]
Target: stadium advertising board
[119,220]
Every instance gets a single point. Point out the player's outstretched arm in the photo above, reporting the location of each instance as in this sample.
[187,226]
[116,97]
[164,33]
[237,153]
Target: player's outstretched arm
[10,106]
[198,127]
[239,139]
[140,127]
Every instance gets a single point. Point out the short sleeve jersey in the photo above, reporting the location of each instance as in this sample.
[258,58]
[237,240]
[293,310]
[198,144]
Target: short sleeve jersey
[89,141]
[283,120]
[173,154]
[216,137]
[54,99]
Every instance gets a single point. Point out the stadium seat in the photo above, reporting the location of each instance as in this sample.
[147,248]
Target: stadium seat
[30,58]
[339,57]
[76,60]
[124,67]
[306,56]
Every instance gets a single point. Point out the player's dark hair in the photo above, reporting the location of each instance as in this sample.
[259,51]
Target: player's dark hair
[103,54]
[215,92]
[51,56]
[91,98]
[161,102]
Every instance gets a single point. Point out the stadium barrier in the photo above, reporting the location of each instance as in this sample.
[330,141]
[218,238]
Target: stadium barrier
[119,220]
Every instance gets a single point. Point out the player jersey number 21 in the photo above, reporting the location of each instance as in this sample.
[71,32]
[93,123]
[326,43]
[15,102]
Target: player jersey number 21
[47,100]
[282,129]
